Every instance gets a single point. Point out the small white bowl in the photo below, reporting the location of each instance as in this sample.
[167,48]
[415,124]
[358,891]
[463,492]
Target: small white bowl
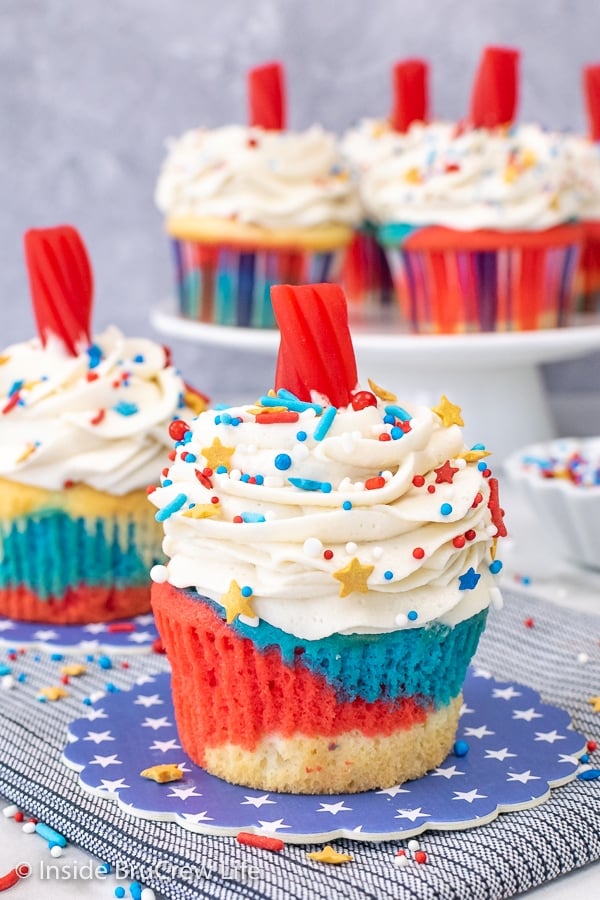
[568,513]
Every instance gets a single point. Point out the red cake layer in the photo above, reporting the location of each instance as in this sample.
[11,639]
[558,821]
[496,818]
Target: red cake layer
[79,605]
[227,691]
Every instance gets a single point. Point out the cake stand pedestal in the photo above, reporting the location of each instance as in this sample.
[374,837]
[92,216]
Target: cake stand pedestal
[495,377]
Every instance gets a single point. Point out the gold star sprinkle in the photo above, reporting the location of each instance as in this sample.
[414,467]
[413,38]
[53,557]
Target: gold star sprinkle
[329,855]
[4,359]
[260,410]
[163,773]
[52,693]
[202,511]
[448,412]
[218,455]
[474,455]
[595,703]
[381,392]
[236,604]
[353,577]
[74,670]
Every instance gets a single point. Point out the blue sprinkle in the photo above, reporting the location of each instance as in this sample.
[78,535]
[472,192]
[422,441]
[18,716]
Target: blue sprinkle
[284,394]
[259,479]
[445,509]
[252,517]
[135,889]
[396,433]
[163,514]
[167,482]
[15,387]
[119,892]
[478,447]
[190,457]
[22,677]
[291,404]
[5,670]
[346,504]
[389,420]
[111,688]
[325,423]
[95,354]
[224,419]
[220,470]
[495,567]
[399,413]
[584,759]
[89,658]
[87,701]
[236,421]
[412,615]
[126,409]
[283,461]
[388,575]
[301,436]
[589,774]
[245,478]
[105,662]
[139,358]
[481,465]
[187,437]
[246,591]
[56,657]
[461,748]
[306,484]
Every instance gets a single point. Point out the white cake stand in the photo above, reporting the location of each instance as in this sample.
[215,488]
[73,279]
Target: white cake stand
[494,377]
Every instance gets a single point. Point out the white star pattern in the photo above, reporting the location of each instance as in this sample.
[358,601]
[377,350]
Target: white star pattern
[112,786]
[505,693]
[140,637]
[147,700]
[394,791]
[273,826]
[412,814]
[45,635]
[334,808]
[96,714]
[447,772]
[6,624]
[469,796]
[465,710]
[499,754]
[257,801]
[98,737]
[95,628]
[105,761]
[156,723]
[198,817]
[549,736]
[526,714]
[163,746]
[145,679]
[565,758]
[184,793]
[482,673]
[522,777]
[144,619]
[480,732]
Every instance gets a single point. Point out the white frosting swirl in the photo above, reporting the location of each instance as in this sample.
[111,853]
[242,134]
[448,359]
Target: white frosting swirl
[515,179]
[585,160]
[274,179]
[100,418]
[286,542]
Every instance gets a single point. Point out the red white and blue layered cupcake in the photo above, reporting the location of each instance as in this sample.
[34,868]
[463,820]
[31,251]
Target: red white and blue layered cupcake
[331,561]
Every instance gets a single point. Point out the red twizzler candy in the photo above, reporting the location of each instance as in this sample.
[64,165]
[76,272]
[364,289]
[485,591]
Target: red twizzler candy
[260,840]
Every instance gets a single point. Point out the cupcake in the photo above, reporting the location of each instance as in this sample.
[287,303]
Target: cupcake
[366,276]
[586,162]
[331,560]
[251,206]
[477,220]
[84,429]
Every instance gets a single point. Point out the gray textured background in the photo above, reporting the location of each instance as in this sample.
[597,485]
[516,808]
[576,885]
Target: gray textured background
[89,91]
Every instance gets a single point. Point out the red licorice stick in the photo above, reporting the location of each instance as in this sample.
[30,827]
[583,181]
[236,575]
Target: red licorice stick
[11,878]
[266,97]
[410,100]
[260,840]
[494,96]
[591,87]
[60,278]
[315,350]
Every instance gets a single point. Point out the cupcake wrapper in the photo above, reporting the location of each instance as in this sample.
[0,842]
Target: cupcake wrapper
[516,287]
[250,683]
[55,568]
[366,276]
[231,286]
[588,275]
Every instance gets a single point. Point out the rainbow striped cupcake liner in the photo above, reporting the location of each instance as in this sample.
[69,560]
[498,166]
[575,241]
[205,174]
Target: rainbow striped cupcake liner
[366,276]
[516,287]
[227,285]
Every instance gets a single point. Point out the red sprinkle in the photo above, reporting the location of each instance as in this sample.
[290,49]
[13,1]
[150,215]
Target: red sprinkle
[158,646]
[177,429]
[11,403]
[328,554]
[459,541]
[203,478]
[470,534]
[378,481]
[477,500]
[98,417]
[18,816]
[171,455]
[260,840]
[119,627]
[150,489]
[529,623]
[64,679]
[274,418]
[362,399]
[125,664]
[431,488]
[420,856]
[384,436]
[237,519]
[591,746]
[418,553]
[418,481]
[405,427]
[214,500]
[165,471]
[92,376]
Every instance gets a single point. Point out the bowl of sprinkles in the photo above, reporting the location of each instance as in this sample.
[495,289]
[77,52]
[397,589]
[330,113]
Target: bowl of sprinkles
[560,479]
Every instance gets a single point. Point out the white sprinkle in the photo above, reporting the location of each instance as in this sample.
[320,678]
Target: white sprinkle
[235,475]
[413,846]
[312,547]
[9,811]
[496,598]
[96,695]
[8,682]
[56,851]
[159,574]
[491,531]
[377,552]
[351,548]
[401,859]
[401,620]
[345,484]
[459,463]
[387,475]
[147,894]
[582,658]
[28,828]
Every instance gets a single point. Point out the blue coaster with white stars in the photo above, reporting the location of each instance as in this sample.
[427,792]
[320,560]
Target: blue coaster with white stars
[133,635]
[517,749]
